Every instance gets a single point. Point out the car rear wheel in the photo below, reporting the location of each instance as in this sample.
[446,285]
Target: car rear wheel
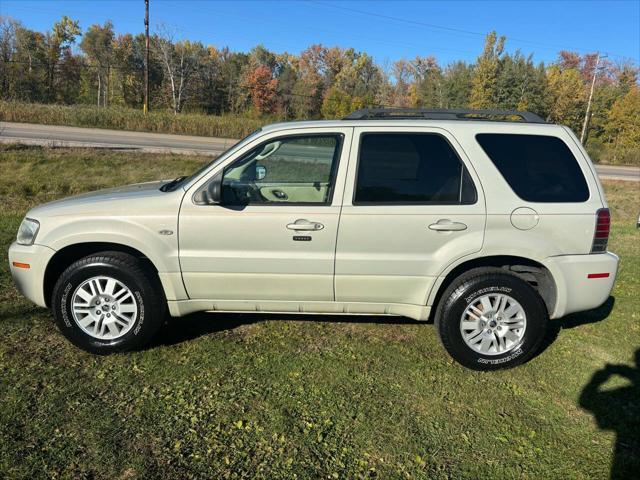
[108,302]
[489,319]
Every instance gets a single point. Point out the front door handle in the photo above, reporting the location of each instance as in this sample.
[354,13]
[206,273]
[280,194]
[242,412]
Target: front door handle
[279,194]
[446,225]
[303,224]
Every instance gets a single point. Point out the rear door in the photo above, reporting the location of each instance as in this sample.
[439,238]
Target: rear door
[412,205]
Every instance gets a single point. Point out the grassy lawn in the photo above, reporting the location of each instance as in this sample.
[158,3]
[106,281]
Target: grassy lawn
[256,396]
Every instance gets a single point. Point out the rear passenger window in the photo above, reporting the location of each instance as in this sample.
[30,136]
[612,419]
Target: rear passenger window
[538,168]
[411,168]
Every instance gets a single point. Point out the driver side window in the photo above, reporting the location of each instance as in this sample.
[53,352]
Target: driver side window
[289,170]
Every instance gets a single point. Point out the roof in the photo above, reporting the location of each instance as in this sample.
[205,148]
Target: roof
[444,114]
[450,124]
[418,117]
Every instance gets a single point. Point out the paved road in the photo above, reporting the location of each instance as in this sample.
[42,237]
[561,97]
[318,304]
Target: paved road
[612,172]
[117,139]
[160,142]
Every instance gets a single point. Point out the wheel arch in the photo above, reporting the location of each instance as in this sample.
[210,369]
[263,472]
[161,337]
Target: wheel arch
[69,254]
[532,271]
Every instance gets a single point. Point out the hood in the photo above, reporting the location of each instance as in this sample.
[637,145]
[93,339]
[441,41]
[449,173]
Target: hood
[101,199]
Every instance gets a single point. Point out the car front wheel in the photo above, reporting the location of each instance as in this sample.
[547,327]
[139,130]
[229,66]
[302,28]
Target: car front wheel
[108,302]
[490,319]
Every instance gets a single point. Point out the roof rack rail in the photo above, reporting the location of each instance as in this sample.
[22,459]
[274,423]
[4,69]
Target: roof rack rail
[441,114]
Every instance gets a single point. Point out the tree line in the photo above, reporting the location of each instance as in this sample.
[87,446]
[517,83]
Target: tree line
[68,66]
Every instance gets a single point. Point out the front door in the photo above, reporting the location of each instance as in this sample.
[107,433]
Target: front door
[412,205]
[273,236]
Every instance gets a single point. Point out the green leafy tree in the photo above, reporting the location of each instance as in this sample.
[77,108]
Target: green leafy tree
[98,46]
[428,89]
[626,76]
[338,103]
[56,41]
[181,64]
[30,73]
[457,82]
[520,84]
[624,128]
[484,84]
[566,97]
[287,77]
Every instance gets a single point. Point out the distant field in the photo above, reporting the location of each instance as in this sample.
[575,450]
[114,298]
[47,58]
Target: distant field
[121,118]
[259,396]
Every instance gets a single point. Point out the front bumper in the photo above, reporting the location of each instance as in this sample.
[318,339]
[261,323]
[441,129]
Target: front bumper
[583,282]
[30,281]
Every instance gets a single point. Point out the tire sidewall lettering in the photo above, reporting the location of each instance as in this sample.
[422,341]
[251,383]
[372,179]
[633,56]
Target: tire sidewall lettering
[484,291]
[140,318]
[63,305]
[497,361]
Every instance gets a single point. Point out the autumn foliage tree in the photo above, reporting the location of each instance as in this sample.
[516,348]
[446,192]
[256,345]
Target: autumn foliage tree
[319,82]
[624,127]
[262,89]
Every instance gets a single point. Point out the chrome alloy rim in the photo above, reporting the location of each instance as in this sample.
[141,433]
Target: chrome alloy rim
[493,324]
[104,308]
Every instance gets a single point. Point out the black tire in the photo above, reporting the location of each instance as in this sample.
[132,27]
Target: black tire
[144,286]
[469,287]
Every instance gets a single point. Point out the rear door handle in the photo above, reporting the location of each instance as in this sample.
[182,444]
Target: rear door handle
[446,225]
[302,224]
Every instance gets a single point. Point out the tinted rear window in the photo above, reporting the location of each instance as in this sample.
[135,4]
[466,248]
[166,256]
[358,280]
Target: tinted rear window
[538,168]
[411,168]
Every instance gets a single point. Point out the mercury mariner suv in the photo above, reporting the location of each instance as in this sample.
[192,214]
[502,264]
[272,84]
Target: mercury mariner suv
[488,222]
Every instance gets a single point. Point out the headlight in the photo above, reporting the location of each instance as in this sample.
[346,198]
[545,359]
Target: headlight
[28,231]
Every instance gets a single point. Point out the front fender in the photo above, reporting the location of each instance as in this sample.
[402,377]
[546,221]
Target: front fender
[160,249]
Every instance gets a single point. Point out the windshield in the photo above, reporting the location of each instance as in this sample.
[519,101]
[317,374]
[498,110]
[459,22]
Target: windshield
[181,181]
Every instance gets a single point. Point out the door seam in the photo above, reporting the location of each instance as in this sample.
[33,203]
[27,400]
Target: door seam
[335,245]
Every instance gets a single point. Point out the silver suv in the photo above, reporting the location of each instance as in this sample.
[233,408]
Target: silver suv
[489,222]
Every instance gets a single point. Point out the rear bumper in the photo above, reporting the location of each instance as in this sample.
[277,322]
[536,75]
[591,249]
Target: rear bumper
[30,281]
[583,282]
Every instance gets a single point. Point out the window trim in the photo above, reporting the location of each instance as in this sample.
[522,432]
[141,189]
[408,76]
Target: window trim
[575,158]
[410,203]
[339,136]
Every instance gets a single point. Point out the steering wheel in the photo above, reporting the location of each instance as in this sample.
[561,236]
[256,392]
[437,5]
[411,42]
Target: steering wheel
[245,192]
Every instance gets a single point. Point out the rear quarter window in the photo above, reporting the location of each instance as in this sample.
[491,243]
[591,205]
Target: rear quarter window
[538,168]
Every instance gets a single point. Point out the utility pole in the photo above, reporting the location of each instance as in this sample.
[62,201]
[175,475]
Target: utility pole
[146,57]
[583,135]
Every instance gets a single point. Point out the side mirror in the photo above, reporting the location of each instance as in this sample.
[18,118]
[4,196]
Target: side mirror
[261,172]
[211,193]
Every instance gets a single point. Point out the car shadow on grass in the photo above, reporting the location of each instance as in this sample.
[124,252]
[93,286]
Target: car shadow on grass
[575,320]
[190,327]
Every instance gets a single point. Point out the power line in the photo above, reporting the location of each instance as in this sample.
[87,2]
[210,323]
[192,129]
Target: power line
[450,30]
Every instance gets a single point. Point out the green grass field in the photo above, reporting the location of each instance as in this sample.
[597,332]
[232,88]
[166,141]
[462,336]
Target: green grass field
[257,396]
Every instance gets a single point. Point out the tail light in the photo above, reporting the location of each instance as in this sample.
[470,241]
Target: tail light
[601,235]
